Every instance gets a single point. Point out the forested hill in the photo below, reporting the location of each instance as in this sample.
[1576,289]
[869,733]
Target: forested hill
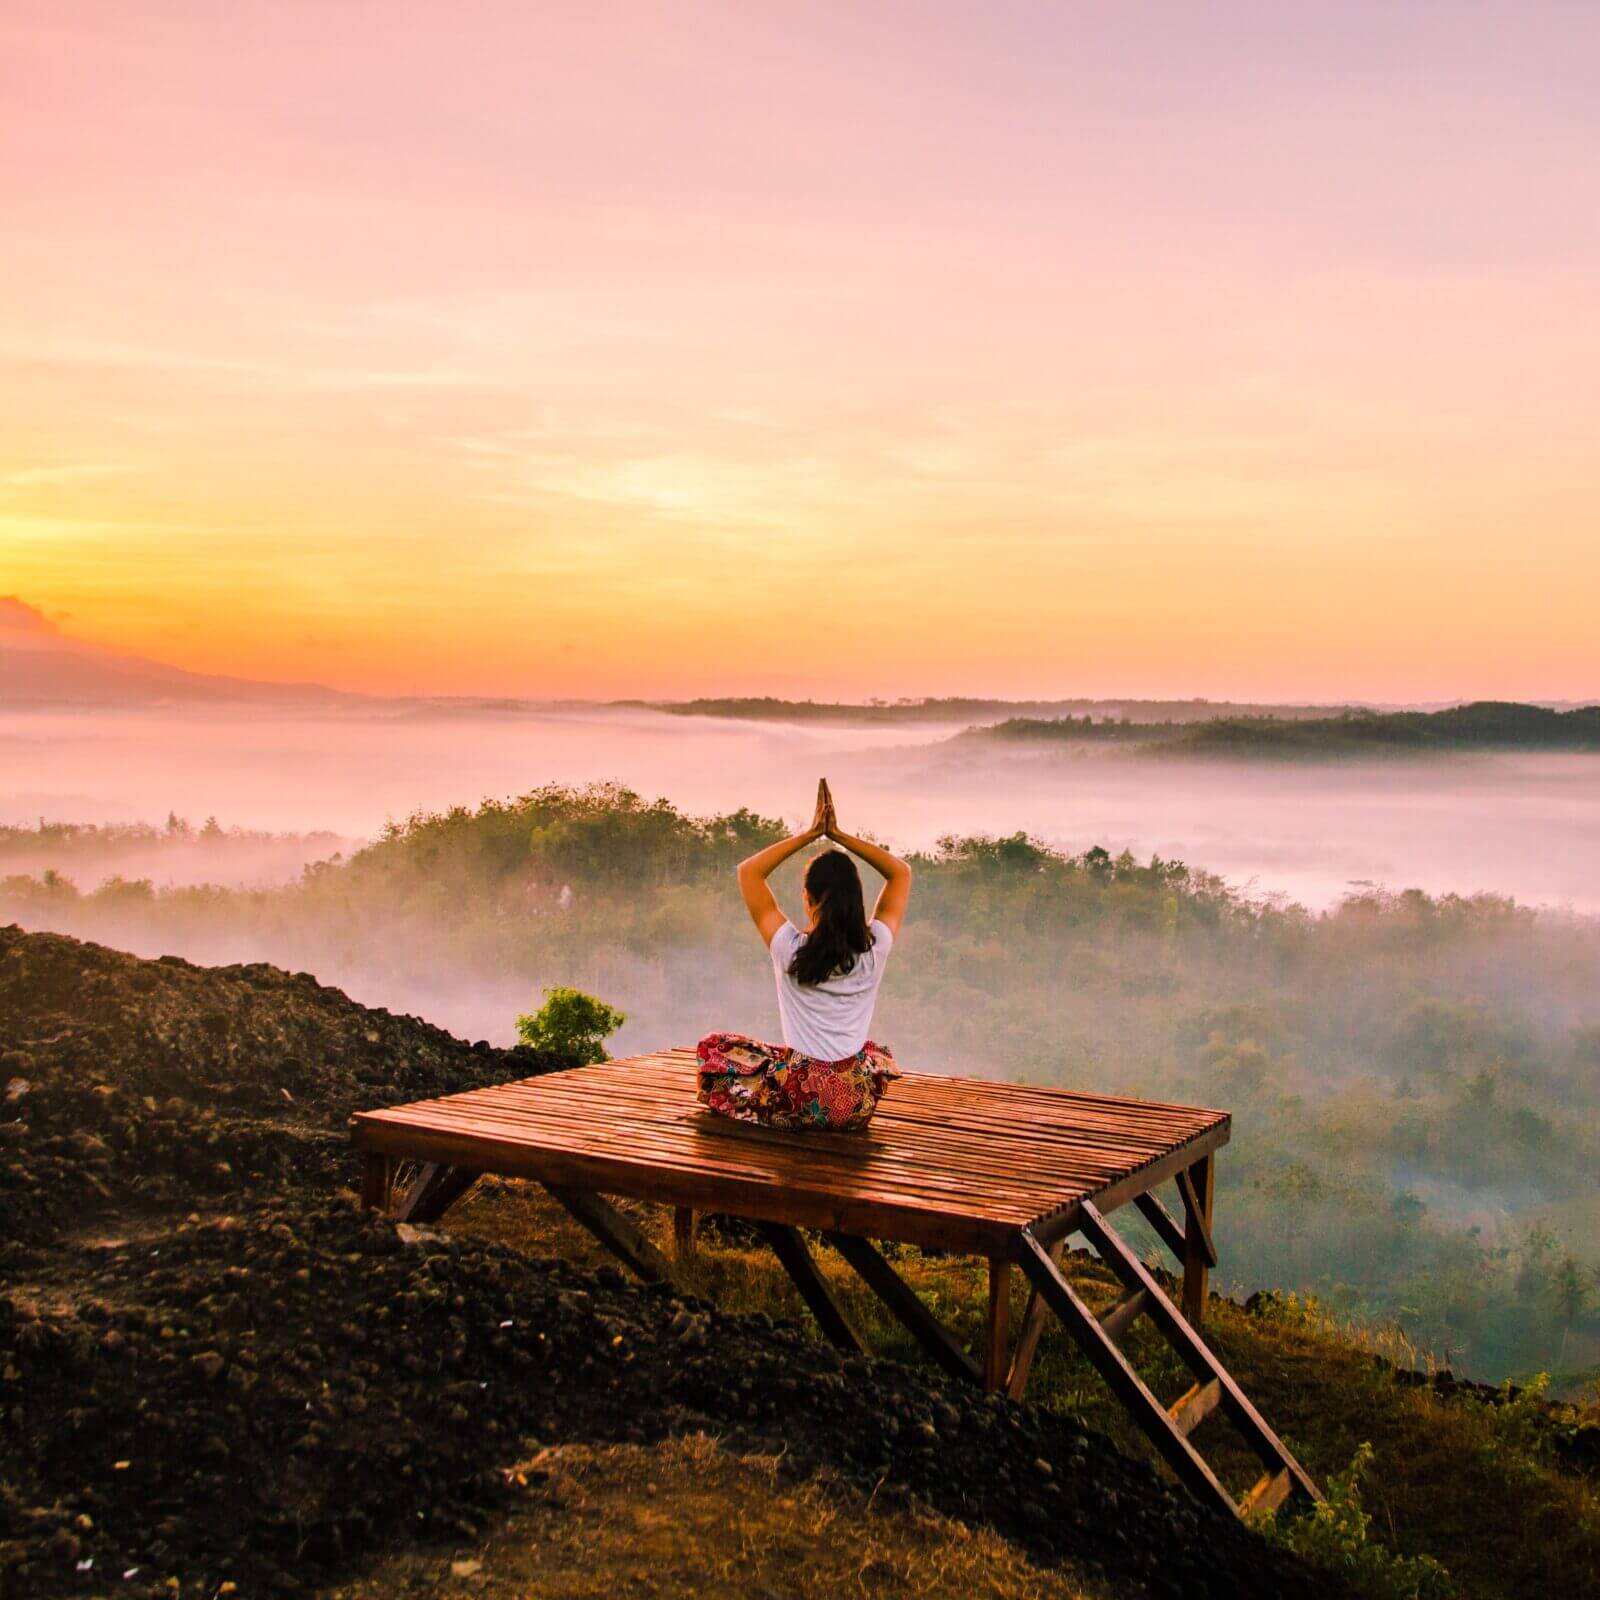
[1482,725]
[767,708]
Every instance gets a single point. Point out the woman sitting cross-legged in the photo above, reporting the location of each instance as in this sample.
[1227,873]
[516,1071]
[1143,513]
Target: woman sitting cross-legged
[827,1073]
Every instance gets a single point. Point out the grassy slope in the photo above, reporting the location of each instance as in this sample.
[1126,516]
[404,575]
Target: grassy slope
[1463,1483]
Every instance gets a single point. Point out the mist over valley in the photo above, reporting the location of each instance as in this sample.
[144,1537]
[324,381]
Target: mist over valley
[1522,823]
[1388,969]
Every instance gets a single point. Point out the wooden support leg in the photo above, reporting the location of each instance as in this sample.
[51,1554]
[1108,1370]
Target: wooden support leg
[433,1191]
[615,1232]
[997,1340]
[907,1306]
[1029,1334]
[815,1290]
[1197,1186]
[685,1228]
[375,1176]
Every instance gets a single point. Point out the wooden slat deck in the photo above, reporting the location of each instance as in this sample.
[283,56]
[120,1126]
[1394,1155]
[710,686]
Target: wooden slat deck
[957,1163]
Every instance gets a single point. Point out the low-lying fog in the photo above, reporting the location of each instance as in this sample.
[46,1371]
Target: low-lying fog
[1525,825]
[1416,1091]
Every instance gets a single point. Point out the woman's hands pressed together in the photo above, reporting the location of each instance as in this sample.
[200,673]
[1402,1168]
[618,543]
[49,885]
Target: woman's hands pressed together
[755,870]
[827,821]
[824,814]
[896,891]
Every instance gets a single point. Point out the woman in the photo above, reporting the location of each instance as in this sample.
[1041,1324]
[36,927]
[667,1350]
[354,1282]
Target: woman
[828,1073]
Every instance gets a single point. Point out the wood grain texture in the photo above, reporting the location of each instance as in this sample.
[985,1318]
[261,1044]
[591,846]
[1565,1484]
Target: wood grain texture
[1194,1405]
[434,1190]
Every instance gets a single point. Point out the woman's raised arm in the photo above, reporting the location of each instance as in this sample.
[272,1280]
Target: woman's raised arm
[896,892]
[755,870]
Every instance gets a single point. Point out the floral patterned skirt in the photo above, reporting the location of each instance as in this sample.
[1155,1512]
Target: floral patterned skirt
[750,1081]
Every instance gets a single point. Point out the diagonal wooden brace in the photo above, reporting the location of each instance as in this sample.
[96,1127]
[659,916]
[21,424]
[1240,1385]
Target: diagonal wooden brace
[1164,1223]
[815,1290]
[1030,1333]
[619,1235]
[1197,1184]
[1193,1352]
[1198,1215]
[433,1191]
[906,1305]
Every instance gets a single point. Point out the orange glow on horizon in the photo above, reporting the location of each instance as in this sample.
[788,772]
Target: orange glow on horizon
[924,350]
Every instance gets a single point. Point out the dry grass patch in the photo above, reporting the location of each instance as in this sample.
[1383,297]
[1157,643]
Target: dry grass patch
[686,1518]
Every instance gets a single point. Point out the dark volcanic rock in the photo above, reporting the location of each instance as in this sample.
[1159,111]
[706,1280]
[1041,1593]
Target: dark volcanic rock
[165,1082]
[262,1399]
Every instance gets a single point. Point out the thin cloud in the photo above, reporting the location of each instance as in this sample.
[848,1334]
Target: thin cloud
[17,616]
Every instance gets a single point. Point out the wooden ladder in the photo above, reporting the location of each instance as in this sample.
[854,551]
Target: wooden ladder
[1168,1427]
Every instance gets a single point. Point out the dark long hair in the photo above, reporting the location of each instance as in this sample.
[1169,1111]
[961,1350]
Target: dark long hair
[841,933]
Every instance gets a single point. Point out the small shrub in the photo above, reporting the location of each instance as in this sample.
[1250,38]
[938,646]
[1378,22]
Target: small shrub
[571,1023]
[1333,1535]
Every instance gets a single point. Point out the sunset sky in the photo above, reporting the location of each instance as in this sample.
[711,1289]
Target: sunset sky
[856,348]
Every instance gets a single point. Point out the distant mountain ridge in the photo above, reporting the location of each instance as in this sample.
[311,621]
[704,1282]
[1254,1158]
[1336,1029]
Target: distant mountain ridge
[959,708]
[1479,725]
[41,667]
[77,676]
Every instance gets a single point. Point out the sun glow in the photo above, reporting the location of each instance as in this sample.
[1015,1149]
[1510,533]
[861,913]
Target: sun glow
[601,354]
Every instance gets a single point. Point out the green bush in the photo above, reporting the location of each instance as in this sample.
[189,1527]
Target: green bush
[571,1023]
[1333,1536]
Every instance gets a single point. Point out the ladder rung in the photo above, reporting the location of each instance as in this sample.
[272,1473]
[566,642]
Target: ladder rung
[1189,1410]
[1270,1491]
[1125,1311]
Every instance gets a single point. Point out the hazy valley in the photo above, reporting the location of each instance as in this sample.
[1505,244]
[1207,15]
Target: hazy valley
[1387,969]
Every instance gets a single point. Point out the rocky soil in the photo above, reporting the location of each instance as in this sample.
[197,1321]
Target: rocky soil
[161,1084]
[218,1376]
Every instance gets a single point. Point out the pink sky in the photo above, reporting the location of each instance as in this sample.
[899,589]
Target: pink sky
[826,349]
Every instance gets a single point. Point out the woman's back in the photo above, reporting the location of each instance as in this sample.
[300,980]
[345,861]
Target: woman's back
[831,1020]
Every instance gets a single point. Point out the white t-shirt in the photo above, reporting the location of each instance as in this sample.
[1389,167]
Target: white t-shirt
[829,1021]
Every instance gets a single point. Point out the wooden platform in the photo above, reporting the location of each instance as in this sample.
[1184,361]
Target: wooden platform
[1007,1171]
[955,1163]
